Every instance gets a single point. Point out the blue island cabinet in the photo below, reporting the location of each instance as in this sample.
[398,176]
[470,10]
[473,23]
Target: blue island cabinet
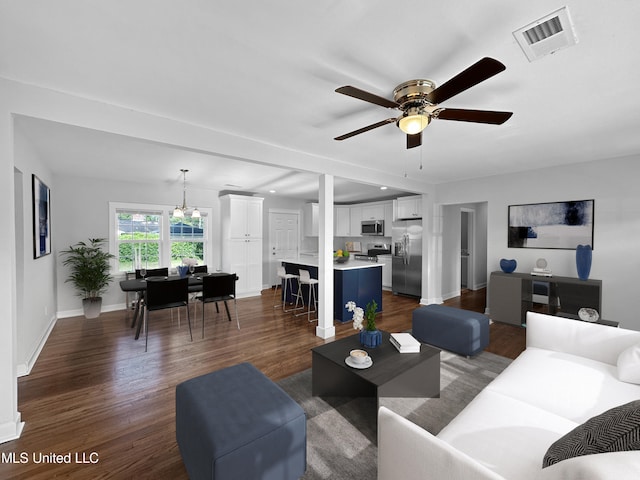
[359,284]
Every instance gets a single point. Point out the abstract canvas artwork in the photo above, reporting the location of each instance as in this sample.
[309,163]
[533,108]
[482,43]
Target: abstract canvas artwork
[41,218]
[561,225]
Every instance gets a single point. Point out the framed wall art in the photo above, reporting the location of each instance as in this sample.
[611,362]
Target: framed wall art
[559,225]
[41,218]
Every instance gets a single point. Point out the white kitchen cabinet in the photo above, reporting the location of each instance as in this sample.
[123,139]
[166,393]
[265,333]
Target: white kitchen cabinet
[244,215]
[386,270]
[373,212]
[409,207]
[342,220]
[245,260]
[242,241]
[311,212]
[355,211]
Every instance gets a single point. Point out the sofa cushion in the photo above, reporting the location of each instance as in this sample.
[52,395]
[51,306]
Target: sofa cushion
[505,435]
[573,387]
[615,430]
[629,364]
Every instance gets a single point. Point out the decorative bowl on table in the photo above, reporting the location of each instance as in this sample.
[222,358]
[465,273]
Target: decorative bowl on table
[588,315]
[341,259]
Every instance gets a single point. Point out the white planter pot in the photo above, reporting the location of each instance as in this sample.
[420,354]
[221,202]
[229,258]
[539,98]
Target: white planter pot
[92,307]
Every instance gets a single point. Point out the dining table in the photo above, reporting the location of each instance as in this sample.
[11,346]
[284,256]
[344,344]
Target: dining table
[139,287]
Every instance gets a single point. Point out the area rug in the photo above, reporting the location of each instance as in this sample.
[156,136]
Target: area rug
[341,432]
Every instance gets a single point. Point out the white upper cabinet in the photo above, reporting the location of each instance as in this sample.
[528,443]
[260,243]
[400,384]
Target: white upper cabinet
[373,212]
[355,212]
[311,211]
[342,220]
[409,207]
[244,216]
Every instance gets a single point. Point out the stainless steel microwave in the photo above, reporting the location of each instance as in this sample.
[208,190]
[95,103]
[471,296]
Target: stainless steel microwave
[372,227]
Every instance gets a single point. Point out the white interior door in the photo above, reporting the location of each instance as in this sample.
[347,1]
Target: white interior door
[284,239]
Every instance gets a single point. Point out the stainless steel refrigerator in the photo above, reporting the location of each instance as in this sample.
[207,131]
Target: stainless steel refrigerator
[407,257]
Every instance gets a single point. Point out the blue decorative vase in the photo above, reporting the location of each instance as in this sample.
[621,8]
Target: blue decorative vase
[508,266]
[370,339]
[182,270]
[583,261]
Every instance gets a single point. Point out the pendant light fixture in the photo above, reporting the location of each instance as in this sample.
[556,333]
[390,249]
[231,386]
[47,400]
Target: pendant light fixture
[180,212]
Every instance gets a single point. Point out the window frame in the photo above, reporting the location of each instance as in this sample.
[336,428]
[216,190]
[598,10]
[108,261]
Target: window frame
[166,212]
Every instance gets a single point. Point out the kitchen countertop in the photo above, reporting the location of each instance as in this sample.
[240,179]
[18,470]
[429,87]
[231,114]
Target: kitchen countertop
[311,261]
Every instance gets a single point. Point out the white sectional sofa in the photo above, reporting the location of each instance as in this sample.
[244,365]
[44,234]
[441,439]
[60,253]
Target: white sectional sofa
[568,374]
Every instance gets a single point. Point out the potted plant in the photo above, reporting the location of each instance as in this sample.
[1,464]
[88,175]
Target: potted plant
[90,273]
[365,321]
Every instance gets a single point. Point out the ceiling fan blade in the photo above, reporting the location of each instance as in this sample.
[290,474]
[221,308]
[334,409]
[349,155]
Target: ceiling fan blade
[476,73]
[478,116]
[414,140]
[365,129]
[366,96]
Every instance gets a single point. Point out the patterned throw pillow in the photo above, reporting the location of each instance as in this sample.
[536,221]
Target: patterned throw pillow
[615,430]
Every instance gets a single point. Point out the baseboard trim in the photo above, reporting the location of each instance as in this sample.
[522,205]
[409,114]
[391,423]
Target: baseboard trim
[23,369]
[11,430]
[80,312]
[453,294]
[327,332]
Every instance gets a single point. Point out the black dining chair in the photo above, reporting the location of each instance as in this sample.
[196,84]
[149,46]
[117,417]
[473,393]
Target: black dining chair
[154,272]
[219,288]
[200,269]
[166,293]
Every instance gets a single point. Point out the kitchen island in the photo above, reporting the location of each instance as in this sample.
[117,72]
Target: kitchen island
[355,280]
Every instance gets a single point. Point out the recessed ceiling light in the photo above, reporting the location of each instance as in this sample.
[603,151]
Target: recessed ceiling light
[383,188]
[272,191]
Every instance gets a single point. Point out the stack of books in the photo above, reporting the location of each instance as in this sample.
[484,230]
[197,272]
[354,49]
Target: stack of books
[541,272]
[405,343]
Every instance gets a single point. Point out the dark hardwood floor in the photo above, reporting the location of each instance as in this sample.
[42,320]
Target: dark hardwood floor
[95,394]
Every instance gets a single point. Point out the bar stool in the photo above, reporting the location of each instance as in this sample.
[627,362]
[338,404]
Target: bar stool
[305,279]
[287,277]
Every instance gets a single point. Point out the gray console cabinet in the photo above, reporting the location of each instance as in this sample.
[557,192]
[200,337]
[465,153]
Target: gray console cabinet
[511,295]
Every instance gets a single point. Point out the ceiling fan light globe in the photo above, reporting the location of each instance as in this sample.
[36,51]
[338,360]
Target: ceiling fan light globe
[413,123]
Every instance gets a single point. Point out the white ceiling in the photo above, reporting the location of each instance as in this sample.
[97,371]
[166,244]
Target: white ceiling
[267,72]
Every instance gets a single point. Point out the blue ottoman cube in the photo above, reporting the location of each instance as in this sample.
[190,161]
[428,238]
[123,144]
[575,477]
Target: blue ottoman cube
[453,329]
[236,423]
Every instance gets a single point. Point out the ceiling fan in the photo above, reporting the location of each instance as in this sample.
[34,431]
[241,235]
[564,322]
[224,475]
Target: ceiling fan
[419,101]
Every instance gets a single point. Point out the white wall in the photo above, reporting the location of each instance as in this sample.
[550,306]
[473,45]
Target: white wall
[37,303]
[616,256]
[81,211]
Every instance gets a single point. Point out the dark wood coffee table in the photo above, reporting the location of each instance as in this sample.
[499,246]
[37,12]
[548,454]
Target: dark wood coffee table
[393,374]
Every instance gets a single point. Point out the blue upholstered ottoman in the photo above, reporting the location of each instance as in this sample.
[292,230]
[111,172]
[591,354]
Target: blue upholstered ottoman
[235,423]
[453,329]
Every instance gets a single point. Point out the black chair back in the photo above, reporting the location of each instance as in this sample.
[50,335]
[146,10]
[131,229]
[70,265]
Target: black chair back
[169,293]
[154,272]
[200,269]
[219,287]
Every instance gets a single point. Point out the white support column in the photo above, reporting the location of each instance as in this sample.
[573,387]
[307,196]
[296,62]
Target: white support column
[433,246]
[325,328]
[10,419]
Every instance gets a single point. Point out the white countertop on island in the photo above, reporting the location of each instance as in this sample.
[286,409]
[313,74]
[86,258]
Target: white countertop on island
[312,261]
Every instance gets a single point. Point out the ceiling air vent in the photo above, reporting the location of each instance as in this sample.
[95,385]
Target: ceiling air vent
[546,35]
